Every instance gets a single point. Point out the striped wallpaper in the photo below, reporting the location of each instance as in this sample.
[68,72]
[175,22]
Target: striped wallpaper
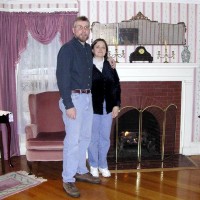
[117,11]
[113,11]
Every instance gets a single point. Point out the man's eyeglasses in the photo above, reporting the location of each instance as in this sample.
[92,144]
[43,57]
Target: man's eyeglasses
[79,27]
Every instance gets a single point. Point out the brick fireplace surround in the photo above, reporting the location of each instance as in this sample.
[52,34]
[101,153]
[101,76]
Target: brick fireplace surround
[160,84]
[153,93]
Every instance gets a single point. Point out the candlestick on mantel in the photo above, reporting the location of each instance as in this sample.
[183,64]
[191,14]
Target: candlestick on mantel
[116,55]
[116,45]
[165,45]
[166,55]
[115,42]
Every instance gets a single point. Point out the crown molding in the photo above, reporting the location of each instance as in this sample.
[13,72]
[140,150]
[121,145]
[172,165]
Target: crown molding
[76,1]
[38,1]
[156,1]
[39,6]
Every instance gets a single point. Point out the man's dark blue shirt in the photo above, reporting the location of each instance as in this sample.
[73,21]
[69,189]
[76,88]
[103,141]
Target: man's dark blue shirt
[74,69]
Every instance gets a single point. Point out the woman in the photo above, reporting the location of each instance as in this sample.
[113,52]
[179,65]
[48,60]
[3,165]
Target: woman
[106,100]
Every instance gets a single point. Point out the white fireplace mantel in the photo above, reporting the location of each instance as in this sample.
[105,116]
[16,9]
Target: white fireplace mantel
[184,72]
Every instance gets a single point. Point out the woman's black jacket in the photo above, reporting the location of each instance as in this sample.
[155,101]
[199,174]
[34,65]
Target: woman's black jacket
[105,86]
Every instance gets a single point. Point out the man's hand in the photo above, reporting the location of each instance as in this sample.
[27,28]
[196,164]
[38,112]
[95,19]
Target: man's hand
[112,62]
[71,113]
[115,111]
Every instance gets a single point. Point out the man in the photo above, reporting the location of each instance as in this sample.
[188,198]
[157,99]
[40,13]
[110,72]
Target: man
[74,78]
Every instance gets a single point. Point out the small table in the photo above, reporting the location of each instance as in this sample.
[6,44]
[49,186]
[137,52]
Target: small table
[2,153]
[4,119]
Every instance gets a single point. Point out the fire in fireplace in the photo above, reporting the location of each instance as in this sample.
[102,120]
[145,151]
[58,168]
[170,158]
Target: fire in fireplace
[130,139]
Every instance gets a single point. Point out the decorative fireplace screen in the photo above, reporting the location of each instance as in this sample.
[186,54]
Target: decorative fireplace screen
[147,133]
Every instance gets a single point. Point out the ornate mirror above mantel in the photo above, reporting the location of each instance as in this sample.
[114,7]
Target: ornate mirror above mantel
[140,30]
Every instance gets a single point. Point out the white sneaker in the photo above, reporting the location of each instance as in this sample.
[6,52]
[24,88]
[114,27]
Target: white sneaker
[105,172]
[94,171]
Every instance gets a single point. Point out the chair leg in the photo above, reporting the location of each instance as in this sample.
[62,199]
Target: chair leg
[36,167]
[30,166]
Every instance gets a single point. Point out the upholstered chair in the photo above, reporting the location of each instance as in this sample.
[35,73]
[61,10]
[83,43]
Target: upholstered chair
[45,134]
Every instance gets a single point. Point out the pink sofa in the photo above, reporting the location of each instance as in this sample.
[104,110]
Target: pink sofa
[45,134]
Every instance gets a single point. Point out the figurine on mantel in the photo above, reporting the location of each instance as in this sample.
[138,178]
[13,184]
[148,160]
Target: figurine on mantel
[185,54]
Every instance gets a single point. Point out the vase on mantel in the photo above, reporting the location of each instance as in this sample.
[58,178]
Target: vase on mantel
[185,54]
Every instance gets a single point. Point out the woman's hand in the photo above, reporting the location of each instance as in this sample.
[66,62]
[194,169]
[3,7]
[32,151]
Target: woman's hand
[112,62]
[115,111]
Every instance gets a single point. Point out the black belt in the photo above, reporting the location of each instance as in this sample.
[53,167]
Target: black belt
[79,91]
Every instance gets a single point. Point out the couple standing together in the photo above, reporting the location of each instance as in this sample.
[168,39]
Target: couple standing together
[90,99]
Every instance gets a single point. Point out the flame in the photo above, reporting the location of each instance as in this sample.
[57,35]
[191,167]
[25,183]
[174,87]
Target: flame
[126,133]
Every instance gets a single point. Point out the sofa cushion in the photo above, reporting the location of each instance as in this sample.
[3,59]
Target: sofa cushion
[46,141]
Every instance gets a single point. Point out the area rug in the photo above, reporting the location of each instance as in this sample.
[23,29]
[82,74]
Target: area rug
[15,182]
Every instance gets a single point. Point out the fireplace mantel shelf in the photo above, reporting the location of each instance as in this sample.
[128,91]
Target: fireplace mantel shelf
[156,71]
[184,72]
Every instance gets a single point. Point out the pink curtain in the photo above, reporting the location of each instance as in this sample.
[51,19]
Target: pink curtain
[43,27]
[66,33]
[13,38]
[14,28]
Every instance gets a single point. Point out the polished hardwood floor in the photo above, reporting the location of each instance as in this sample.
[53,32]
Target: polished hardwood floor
[180,183]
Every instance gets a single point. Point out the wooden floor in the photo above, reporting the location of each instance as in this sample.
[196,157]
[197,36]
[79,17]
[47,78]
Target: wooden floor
[166,184]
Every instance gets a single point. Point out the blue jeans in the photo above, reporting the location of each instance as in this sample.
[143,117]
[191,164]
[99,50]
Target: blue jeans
[78,135]
[100,140]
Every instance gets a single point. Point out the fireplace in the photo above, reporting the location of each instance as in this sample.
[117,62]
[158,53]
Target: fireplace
[144,134]
[138,135]
[145,85]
